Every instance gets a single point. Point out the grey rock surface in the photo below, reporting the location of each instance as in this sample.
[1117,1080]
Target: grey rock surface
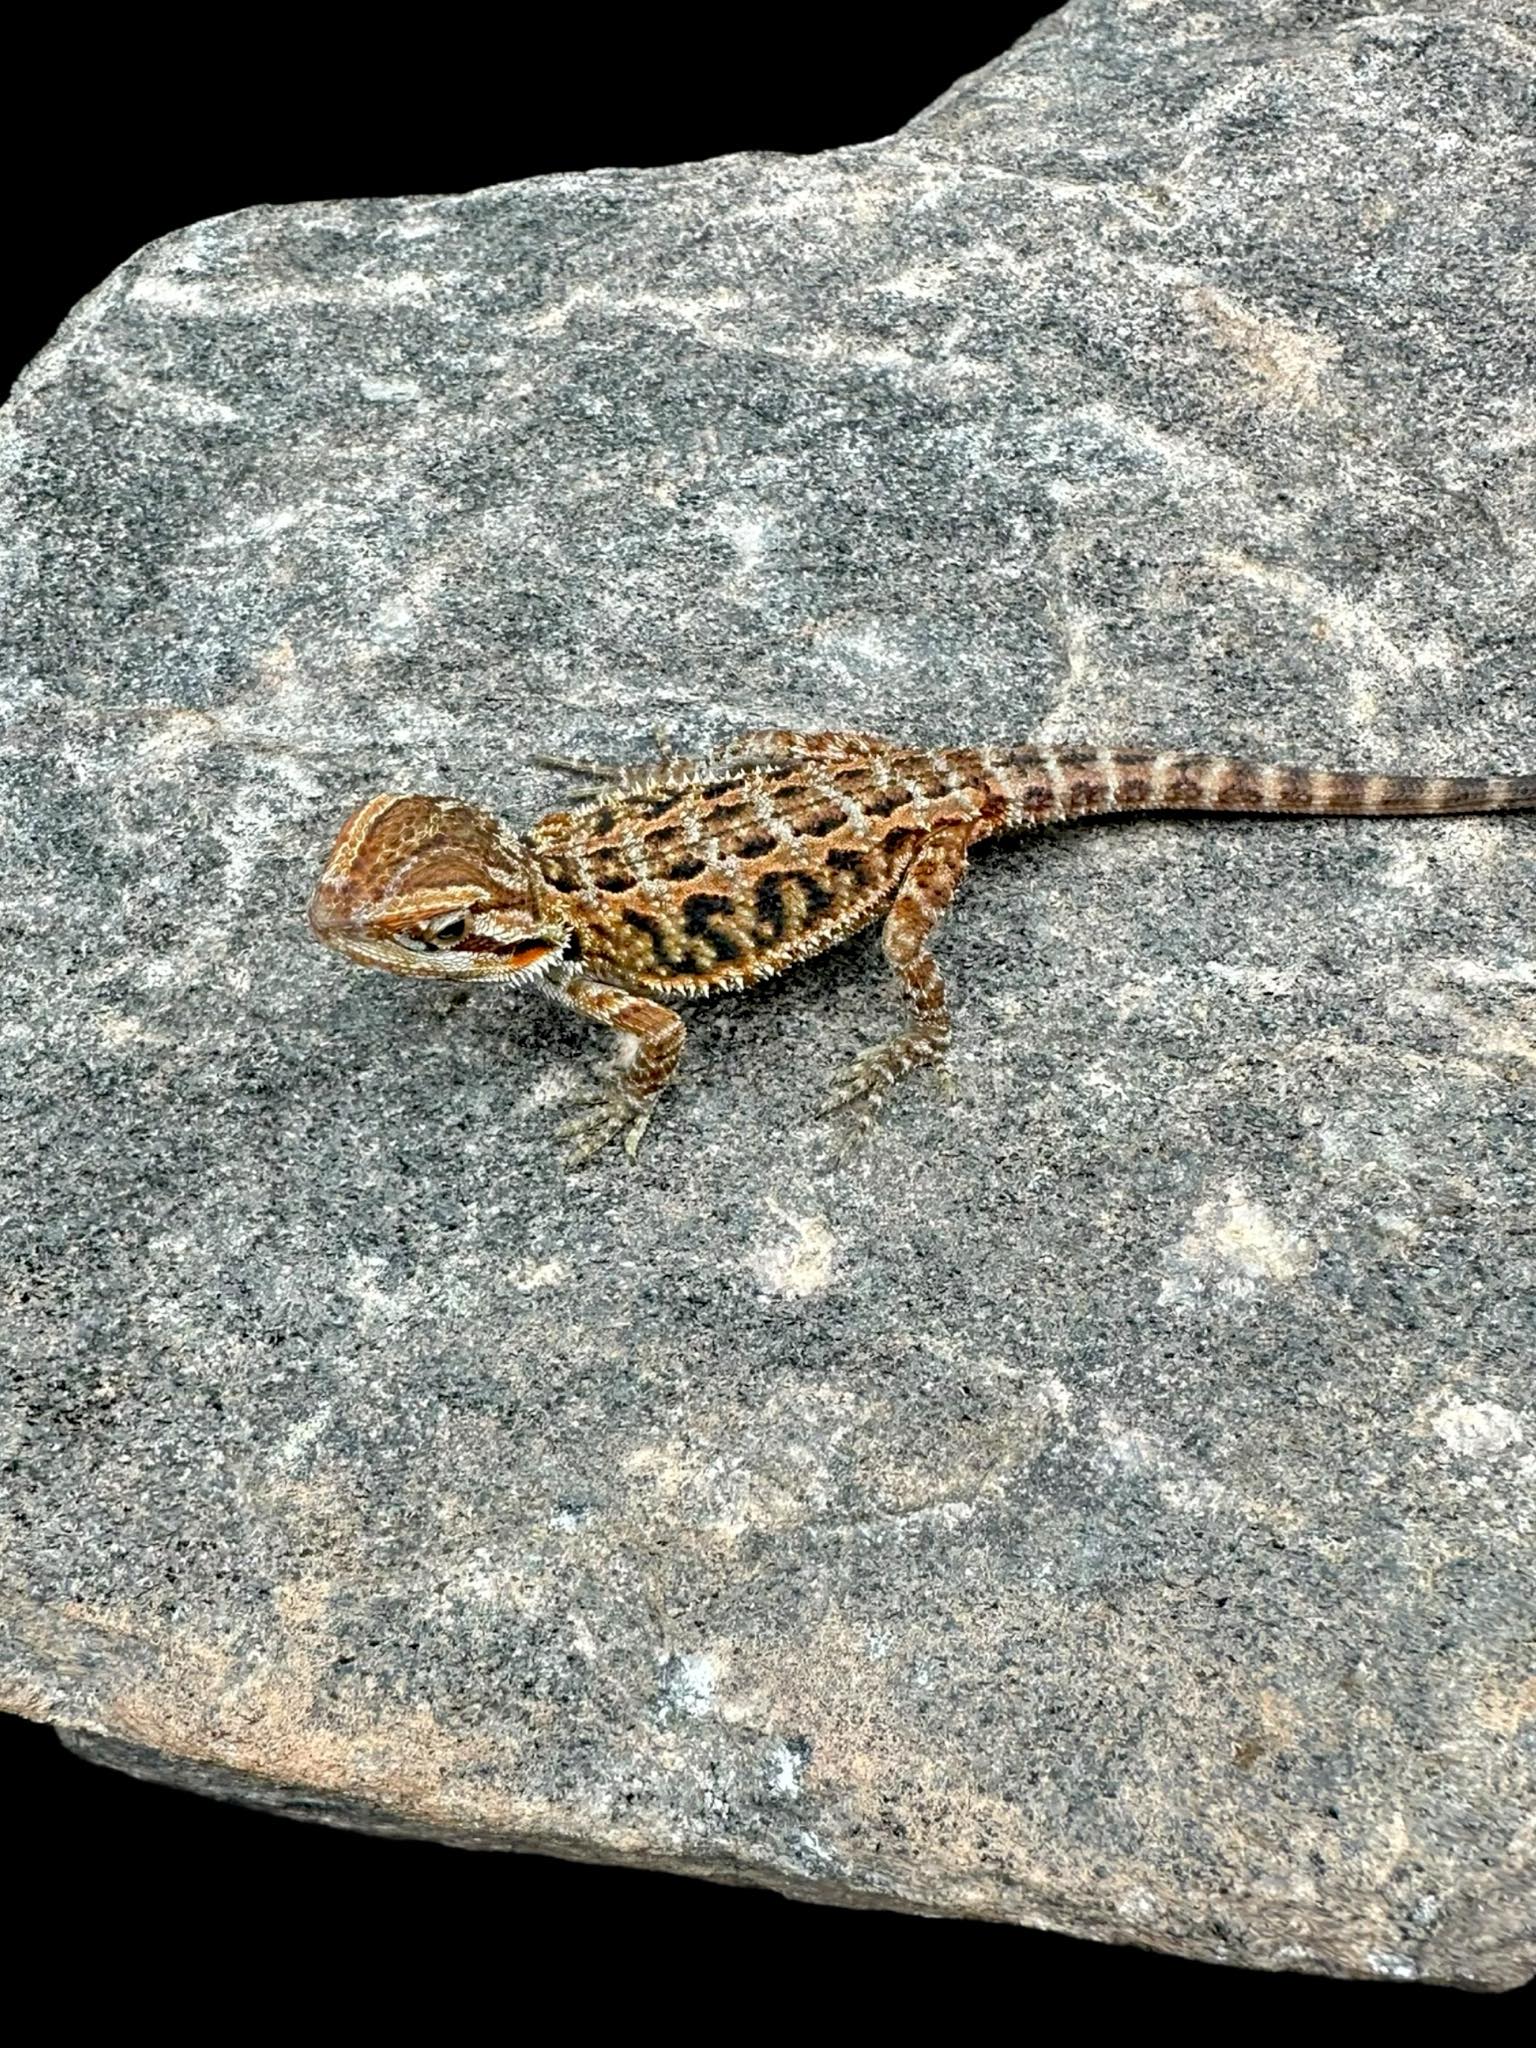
[1108,1504]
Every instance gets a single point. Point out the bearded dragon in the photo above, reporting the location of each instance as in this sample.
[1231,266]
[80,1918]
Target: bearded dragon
[686,878]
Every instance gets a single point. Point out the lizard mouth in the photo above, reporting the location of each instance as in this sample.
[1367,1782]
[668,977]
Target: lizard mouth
[474,959]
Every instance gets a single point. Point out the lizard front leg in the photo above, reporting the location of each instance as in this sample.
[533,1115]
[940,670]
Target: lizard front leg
[931,879]
[622,1105]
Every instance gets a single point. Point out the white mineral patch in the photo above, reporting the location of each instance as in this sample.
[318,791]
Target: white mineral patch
[798,1260]
[1477,1429]
[1235,1245]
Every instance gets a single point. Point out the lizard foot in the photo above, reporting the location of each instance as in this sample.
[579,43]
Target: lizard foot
[610,1111]
[861,1089]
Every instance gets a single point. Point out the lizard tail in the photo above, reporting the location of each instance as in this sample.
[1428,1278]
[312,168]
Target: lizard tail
[1072,783]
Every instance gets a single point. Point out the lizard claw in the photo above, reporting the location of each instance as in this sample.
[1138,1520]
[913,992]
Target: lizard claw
[864,1082]
[851,1134]
[611,1112]
[861,1089]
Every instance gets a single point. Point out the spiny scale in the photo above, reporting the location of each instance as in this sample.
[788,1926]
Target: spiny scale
[688,877]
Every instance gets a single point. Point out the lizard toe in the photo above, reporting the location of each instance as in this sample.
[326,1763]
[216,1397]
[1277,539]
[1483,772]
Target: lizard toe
[611,1112]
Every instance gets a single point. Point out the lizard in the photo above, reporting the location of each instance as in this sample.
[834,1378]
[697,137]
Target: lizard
[676,878]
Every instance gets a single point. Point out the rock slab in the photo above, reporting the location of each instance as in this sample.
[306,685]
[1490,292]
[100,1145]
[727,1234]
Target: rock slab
[1108,1504]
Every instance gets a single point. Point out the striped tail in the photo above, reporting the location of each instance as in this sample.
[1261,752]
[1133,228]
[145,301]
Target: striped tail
[1052,783]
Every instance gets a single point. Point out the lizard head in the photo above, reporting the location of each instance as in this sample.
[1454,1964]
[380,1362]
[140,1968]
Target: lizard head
[427,885]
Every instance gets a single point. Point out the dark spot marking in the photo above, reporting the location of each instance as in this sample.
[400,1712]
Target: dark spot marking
[850,861]
[818,828]
[1183,787]
[684,870]
[658,806]
[768,902]
[881,802]
[757,845]
[697,912]
[601,820]
[845,778]
[1135,786]
[616,884]
[897,840]
[818,897]
[562,879]
[712,790]
[641,922]
[664,835]
[1038,799]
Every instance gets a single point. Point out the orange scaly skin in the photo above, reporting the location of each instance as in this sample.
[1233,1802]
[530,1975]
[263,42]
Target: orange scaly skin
[688,877]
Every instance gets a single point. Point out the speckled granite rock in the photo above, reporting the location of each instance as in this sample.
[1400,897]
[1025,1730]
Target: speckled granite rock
[1109,1505]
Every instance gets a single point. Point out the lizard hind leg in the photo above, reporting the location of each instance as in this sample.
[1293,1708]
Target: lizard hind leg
[923,897]
[667,771]
[773,746]
[670,771]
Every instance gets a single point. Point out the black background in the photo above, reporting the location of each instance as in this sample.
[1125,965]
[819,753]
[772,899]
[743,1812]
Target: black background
[113,143]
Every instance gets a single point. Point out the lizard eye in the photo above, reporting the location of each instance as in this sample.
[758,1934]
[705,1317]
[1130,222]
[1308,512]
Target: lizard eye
[448,931]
